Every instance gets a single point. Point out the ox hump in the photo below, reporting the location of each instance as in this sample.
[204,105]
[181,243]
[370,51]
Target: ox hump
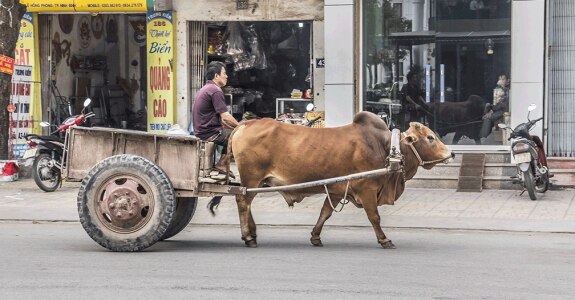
[365,118]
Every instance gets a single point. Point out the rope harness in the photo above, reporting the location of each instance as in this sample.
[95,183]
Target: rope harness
[421,161]
[393,161]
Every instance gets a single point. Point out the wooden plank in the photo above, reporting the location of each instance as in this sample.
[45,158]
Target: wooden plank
[471,172]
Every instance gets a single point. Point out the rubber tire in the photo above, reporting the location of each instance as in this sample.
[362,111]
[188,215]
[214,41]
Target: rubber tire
[542,188]
[36,176]
[529,185]
[162,215]
[185,209]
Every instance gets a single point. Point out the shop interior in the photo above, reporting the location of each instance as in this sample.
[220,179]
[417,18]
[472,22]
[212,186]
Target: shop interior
[265,61]
[102,57]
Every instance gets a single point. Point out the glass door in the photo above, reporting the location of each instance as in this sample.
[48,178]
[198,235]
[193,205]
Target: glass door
[443,63]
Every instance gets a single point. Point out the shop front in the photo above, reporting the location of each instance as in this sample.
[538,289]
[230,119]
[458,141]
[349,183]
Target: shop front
[272,52]
[439,62]
[118,53]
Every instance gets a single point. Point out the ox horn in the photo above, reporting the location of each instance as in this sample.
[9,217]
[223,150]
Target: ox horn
[415,124]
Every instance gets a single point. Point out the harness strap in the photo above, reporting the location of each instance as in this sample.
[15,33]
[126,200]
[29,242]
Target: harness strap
[343,201]
[421,161]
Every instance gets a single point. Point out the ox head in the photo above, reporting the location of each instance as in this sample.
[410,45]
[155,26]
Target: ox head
[426,146]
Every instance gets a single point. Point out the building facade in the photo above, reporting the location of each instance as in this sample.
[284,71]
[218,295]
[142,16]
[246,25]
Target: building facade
[440,61]
[461,66]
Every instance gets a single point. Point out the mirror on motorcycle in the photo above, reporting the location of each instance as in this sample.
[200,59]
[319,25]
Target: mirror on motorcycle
[530,108]
[502,125]
[309,107]
[87,102]
[44,124]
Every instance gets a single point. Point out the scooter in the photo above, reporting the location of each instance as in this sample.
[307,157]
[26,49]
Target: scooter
[48,151]
[529,156]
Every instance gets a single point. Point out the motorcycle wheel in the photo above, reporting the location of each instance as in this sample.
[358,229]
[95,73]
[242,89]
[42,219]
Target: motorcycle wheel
[528,182]
[50,183]
[543,185]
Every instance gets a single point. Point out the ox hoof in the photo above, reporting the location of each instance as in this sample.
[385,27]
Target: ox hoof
[387,244]
[316,242]
[251,244]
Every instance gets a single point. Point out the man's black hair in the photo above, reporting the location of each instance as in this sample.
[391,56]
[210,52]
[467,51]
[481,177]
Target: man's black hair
[213,68]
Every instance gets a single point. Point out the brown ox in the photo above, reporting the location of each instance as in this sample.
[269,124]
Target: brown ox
[270,153]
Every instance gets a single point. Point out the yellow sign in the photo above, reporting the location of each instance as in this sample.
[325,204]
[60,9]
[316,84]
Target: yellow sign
[88,5]
[161,70]
[25,94]
[46,6]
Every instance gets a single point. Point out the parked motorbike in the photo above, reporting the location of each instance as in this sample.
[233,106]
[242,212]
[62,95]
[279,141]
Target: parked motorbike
[529,156]
[48,151]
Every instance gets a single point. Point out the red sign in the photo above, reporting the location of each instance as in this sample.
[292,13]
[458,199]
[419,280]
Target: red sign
[11,108]
[6,64]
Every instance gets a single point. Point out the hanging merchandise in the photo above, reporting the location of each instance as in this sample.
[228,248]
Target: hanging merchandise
[60,49]
[236,47]
[84,32]
[139,26]
[66,22]
[112,30]
[97,26]
[216,41]
[257,56]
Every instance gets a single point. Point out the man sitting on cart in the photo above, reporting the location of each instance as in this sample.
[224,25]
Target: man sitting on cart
[211,120]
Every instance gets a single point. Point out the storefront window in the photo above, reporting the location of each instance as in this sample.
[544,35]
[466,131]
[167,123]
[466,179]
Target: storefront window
[102,57]
[268,67]
[444,63]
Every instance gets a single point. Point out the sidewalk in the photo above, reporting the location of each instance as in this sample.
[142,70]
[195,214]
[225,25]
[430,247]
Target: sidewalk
[554,211]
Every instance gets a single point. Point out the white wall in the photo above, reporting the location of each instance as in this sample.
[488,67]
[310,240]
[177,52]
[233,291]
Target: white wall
[527,60]
[318,73]
[339,62]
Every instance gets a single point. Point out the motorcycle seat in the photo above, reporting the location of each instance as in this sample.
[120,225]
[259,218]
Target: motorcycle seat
[51,138]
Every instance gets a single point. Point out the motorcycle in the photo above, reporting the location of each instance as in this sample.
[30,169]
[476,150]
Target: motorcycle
[529,156]
[48,151]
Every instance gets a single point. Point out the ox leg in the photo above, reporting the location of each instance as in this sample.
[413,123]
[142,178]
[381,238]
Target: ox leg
[370,207]
[244,209]
[326,212]
[252,226]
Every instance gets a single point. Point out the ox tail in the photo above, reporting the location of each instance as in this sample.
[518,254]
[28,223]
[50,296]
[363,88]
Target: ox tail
[215,201]
[230,153]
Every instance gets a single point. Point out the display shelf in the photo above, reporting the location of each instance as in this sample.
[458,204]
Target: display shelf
[297,104]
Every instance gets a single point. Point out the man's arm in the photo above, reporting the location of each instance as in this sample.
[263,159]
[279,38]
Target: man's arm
[408,98]
[228,120]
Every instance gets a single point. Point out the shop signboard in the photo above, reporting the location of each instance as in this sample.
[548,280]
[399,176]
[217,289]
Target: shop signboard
[6,64]
[161,64]
[88,5]
[20,119]
[25,87]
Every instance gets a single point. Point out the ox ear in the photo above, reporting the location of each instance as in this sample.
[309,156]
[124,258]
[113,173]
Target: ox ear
[410,139]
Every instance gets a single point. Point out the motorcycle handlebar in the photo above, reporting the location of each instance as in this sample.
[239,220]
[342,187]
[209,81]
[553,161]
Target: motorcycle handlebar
[79,120]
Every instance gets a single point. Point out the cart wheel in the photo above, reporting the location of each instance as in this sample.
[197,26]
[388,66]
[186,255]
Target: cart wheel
[185,208]
[126,203]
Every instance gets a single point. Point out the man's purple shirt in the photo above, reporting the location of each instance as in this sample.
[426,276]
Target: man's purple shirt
[208,106]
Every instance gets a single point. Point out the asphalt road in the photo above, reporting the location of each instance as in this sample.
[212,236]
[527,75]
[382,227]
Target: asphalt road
[59,261]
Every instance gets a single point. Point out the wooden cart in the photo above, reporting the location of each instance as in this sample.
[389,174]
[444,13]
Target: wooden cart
[139,188]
